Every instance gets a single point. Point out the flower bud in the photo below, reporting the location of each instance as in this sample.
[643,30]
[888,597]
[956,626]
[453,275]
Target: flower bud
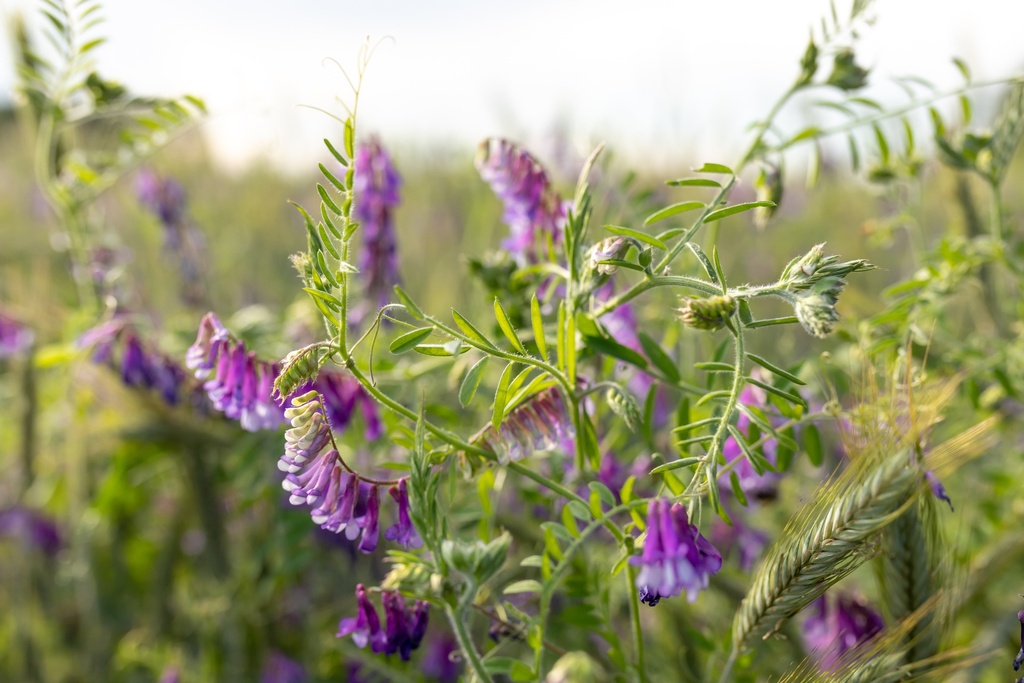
[769,188]
[609,248]
[817,313]
[707,314]
[846,75]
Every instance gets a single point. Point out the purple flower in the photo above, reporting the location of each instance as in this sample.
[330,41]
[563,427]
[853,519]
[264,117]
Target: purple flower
[279,668]
[938,490]
[341,395]
[163,196]
[170,674]
[14,337]
[31,528]
[533,210]
[365,627]
[1019,659]
[740,537]
[369,522]
[115,344]
[376,191]
[762,486]
[437,664]
[403,532]
[540,424]
[676,557]
[838,625]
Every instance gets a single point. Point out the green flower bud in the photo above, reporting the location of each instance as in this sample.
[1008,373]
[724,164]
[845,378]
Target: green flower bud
[846,75]
[769,188]
[808,64]
[707,314]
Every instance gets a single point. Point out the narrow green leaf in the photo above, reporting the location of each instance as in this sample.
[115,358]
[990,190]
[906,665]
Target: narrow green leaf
[693,182]
[524,586]
[501,396]
[506,326]
[570,345]
[737,490]
[785,395]
[757,461]
[409,304]
[637,235]
[854,153]
[775,369]
[560,341]
[705,262]
[714,168]
[322,191]
[673,210]
[629,265]
[962,67]
[323,296]
[335,153]
[538,328]
[661,360]
[570,522]
[323,270]
[350,138]
[714,366]
[329,222]
[735,209]
[675,465]
[333,180]
[613,348]
[452,348]
[626,493]
[718,269]
[516,385]
[812,444]
[768,322]
[603,492]
[405,342]
[322,306]
[883,144]
[470,330]
[326,241]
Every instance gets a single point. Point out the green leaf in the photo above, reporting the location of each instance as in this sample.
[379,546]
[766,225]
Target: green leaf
[661,360]
[335,153]
[327,242]
[737,490]
[673,210]
[629,265]
[538,328]
[775,369]
[714,168]
[962,67]
[322,191]
[603,492]
[452,348]
[705,262]
[637,235]
[472,381]
[735,209]
[332,179]
[506,326]
[329,298]
[524,586]
[350,138]
[516,386]
[812,444]
[792,398]
[410,339]
[613,348]
[675,465]
[470,330]
[693,182]
[570,344]
[409,304]
[501,396]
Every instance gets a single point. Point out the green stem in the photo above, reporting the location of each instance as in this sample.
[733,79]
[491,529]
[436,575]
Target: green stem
[457,619]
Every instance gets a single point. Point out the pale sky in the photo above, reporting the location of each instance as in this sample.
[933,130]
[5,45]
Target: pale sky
[659,80]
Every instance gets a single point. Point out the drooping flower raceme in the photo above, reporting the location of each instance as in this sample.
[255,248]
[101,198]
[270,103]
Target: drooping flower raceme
[116,344]
[676,557]
[534,212]
[839,623]
[542,423]
[405,626]
[376,185]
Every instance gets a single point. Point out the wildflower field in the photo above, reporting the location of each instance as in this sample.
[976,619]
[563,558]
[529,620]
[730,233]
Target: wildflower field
[515,412]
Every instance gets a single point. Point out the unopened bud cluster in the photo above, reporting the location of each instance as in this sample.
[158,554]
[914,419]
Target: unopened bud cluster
[707,314]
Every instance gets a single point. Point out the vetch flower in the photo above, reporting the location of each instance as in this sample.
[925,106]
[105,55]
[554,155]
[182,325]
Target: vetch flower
[369,522]
[707,314]
[533,210]
[116,345]
[32,529]
[365,627]
[741,538]
[542,423]
[676,557]
[405,627]
[840,622]
[403,532]
[437,663]
[938,490]
[14,337]
[607,249]
[765,485]
[375,185]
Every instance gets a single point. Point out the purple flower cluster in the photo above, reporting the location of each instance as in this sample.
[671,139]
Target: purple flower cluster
[165,198]
[540,424]
[839,624]
[116,345]
[405,626]
[533,210]
[238,383]
[340,500]
[376,195]
[676,557]
[762,486]
[32,529]
[14,337]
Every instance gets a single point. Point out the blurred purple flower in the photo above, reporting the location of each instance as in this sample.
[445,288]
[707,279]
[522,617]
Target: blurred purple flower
[365,627]
[32,529]
[279,668]
[170,674]
[533,210]
[14,337]
[403,532]
[541,423]
[839,623]
[740,537]
[938,490]
[406,627]
[376,195]
[116,345]
[437,664]
[163,196]
[762,486]
[676,557]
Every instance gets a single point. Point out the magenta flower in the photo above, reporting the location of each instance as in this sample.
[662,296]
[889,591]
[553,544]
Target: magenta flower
[365,627]
[376,191]
[533,210]
[116,345]
[402,532]
[838,625]
[369,521]
[676,557]
[14,337]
